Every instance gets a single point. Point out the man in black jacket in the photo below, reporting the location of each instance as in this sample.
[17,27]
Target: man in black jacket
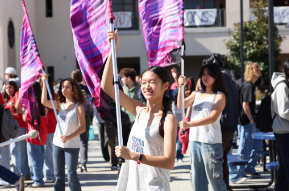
[229,119]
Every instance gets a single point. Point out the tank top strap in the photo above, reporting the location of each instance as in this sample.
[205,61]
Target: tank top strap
[75,107]
[138,112]
[61,106]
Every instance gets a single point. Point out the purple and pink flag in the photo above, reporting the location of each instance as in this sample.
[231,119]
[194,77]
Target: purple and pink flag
[31,64]
[90,23]
[163,30]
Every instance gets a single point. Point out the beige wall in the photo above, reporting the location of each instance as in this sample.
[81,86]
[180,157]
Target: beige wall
[55,40]
[12,10]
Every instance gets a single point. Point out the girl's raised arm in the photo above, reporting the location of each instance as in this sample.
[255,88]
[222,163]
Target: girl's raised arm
[44,100]
[189,100]
[128,103]
[19,108]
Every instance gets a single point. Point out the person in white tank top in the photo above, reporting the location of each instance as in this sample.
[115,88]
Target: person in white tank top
[148,162]
[71,117]
[205,130]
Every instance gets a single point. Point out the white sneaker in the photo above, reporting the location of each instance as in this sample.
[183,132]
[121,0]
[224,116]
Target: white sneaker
[180,160]
[240,180]
[5,186]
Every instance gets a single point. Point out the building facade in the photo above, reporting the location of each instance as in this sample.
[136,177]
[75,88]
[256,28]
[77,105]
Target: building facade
[208,24]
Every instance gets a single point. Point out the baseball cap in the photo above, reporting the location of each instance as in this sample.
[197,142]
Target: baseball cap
[10,70]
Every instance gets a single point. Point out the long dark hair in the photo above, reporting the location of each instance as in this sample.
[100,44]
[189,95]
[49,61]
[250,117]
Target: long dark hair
[37,93]
[215,72]
[76,92]
[286,70]
[164,76]
[6,96]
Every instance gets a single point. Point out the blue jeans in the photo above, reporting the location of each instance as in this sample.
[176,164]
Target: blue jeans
[19,155]
[247,149]
[62,156]
[36,158]
[207,166]
[48,170]
[179,148]
[8,176]
[4,161]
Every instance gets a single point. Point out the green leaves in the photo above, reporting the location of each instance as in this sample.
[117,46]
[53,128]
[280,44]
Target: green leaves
[255,41]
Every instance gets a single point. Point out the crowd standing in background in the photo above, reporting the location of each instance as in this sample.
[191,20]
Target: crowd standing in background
[212,117]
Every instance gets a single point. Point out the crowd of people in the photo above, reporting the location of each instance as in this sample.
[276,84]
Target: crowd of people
[153,107]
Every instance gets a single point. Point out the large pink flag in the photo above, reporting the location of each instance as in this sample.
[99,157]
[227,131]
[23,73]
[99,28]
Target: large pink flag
[31,64]
[90,22]
[163,30]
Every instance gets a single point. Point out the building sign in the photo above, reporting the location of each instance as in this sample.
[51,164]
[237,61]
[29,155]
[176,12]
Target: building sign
[123,19]
[281,15]
[197,17]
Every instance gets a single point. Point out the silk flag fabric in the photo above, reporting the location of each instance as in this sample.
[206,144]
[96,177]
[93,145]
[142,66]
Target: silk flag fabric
[90,23]
[31,64]
[163,30]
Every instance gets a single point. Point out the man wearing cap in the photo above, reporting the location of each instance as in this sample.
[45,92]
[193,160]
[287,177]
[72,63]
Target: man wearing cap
[11,75]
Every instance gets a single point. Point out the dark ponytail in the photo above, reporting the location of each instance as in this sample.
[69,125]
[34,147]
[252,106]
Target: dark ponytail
[167,103]
[164,76]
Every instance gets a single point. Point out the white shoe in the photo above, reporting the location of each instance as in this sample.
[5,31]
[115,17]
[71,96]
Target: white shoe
[240,180]
[5,186]
[180,160]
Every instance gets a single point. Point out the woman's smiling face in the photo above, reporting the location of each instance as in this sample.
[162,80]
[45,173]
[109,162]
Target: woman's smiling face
[152,86]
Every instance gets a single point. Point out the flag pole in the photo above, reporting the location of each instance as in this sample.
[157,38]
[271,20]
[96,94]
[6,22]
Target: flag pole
[115,82]
[183,88]
[38,58]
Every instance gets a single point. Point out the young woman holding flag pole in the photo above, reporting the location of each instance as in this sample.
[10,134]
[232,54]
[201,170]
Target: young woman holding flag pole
[66,144]
[155,126]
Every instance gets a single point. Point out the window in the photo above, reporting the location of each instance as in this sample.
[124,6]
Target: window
[49,8]
[199,4]
[126,14]
[122,5]
[11,34]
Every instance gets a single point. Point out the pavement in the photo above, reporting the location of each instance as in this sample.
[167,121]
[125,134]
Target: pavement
[100,177]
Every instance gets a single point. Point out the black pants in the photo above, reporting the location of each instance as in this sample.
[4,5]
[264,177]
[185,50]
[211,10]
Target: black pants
[111,133]
[84,142]
[282,141]
[227,139]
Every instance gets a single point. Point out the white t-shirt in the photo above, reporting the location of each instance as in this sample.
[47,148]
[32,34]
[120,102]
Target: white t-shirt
[207,133]
[69,124]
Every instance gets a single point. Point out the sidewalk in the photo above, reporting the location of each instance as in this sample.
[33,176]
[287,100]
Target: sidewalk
[100,177]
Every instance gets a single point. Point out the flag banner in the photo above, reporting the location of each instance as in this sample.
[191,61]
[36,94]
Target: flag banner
[31,64]
[199,17]
[89,21]
[163,30]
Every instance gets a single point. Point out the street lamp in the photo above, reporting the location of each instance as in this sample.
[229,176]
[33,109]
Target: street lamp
[242,41]
[271,40]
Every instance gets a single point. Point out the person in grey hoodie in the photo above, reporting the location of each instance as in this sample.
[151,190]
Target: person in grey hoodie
[280,107]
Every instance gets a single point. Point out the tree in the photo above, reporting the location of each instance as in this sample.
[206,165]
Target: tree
[255,41]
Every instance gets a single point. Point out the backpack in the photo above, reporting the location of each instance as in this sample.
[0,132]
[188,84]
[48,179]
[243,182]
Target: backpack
[263,118]
[9,126]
